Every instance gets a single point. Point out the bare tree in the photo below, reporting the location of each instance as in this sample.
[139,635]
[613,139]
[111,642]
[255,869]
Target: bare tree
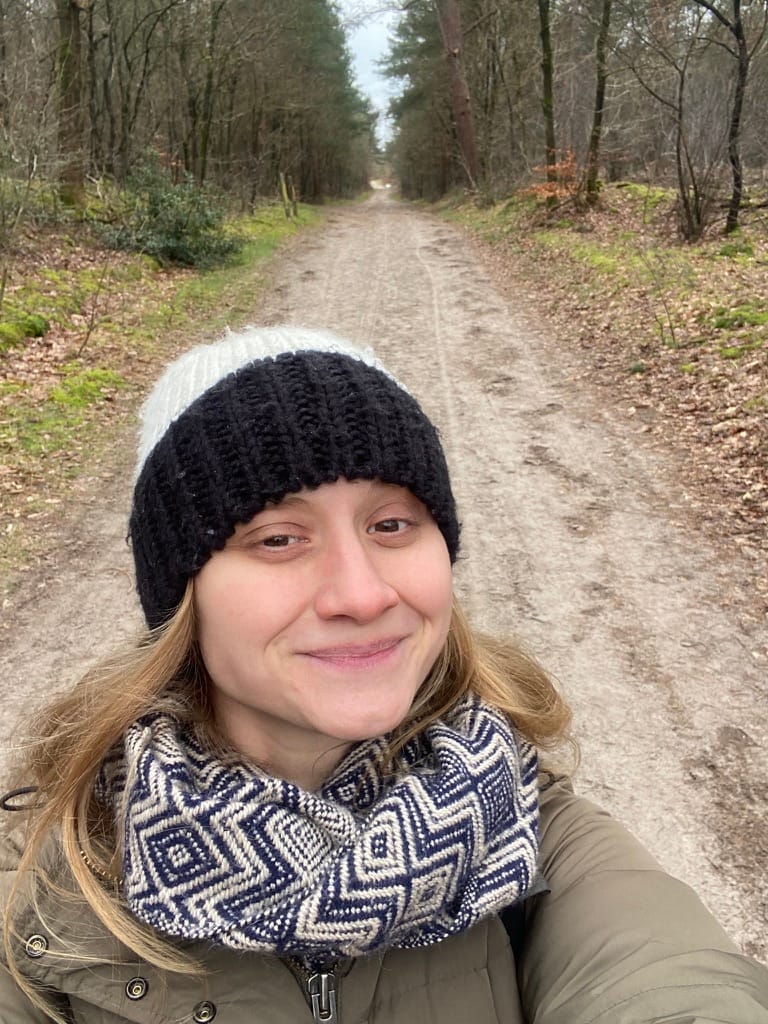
[601,72]
[547,88]
[449,21]
[734,24]
[71,100]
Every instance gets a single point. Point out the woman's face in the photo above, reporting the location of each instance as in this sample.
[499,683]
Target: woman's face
[319,621]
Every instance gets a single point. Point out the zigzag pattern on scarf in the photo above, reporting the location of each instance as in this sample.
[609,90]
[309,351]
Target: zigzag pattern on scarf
[226,853]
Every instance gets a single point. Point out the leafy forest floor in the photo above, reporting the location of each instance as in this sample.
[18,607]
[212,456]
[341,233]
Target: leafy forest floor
[676,334]
[113,319]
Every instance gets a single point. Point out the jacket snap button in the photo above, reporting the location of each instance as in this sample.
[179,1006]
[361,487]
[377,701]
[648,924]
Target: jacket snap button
[136,988]
[36,945]
[203,1012]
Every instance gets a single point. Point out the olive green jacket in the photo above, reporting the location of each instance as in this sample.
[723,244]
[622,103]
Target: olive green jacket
[614,941]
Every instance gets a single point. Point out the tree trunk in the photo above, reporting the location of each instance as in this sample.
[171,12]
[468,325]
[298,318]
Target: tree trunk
[593,153]
[4,97]
[208,92]
[734,127]
[547,91]
[449,20]
[70,91]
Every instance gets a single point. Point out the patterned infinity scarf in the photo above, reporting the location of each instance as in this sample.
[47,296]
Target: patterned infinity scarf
[228,854]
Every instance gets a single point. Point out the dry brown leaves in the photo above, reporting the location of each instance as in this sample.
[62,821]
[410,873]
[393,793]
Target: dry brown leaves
[644,333]
[97,308]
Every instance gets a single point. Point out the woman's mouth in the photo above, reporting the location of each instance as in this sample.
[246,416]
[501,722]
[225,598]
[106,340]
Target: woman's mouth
[354,655]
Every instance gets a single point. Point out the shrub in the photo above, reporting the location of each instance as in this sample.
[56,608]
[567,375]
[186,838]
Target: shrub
[18,327]
[33,325]
[11,335]
[174,223]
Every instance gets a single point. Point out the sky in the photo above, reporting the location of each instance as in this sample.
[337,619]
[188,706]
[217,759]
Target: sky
[367,44]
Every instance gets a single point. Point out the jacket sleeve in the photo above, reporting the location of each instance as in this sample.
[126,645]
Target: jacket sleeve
[616,940]
[15,1008]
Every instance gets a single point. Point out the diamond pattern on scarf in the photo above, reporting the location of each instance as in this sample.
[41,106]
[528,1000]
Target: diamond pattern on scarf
[226,853]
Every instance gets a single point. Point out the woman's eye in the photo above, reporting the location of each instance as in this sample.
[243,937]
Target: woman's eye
[389,526]
[279,540]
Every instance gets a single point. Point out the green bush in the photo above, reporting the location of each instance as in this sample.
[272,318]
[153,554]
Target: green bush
[20,326]
[174,223]
[11,335]
[33,325]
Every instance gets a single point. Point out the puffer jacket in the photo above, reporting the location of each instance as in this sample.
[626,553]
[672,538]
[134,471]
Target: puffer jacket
[614,941]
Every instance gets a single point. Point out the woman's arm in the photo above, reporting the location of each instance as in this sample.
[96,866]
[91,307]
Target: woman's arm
[15,1008]
[619,941]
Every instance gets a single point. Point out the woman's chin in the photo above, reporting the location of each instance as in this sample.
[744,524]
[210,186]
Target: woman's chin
[375,722]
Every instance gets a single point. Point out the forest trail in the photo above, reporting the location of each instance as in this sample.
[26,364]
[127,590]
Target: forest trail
[576,538]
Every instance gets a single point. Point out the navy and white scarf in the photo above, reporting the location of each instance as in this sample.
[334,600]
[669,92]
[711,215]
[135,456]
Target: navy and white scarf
[225,853]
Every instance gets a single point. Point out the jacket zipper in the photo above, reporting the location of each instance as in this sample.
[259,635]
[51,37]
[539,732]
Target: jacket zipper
[320,989]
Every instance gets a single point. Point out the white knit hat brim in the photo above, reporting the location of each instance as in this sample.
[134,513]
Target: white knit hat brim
[198,369]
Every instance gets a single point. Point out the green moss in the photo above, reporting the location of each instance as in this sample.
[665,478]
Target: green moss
[737,351]
[688,367]
[79,388]
[11,335]
[19,326]
[42,428]
[745,315]
[599,260]
[650,196]
[34,325]
[737,249]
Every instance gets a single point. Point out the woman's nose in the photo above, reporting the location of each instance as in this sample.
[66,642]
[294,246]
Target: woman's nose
[352,584]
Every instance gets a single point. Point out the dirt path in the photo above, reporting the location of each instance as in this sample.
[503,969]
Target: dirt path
[575,537]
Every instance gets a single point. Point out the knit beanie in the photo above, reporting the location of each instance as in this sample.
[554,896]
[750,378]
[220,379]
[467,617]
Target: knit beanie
[232,426]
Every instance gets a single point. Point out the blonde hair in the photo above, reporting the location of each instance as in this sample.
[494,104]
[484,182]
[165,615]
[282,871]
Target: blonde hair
[163,671]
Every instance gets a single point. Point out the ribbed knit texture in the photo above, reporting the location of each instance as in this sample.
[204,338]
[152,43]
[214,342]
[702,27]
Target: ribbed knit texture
[260,431]
[225,853]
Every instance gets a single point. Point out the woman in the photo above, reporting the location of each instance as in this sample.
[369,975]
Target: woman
[310,791]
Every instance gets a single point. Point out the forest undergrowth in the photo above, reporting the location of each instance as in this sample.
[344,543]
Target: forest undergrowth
[111,320]
[675,334]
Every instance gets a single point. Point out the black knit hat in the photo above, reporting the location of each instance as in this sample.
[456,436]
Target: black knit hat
[232,426]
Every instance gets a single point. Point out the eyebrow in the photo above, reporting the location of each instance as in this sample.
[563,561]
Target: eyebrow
[289,499]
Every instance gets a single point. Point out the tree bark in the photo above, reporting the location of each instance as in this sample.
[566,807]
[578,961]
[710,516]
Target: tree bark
[601,67]
[70,92]
[734,127]
[735,26]
[449,21]
[548,92]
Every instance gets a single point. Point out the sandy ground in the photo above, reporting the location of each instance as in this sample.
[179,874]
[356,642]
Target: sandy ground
[576,538]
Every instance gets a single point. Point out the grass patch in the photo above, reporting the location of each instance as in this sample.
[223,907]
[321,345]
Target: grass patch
[737,250]
[649,197]
[44,428]
[737,351]
[60,414]
[746,315]
[224,295]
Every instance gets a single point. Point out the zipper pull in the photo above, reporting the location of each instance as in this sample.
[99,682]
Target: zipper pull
[322,994]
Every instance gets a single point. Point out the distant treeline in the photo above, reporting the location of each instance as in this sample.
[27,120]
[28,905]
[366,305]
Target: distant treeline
[503,92]
[231,92]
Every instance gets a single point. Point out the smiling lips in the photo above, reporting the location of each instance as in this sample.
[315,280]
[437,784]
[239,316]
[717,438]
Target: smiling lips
[356,655]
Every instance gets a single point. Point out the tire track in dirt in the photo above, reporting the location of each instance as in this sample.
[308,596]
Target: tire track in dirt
[575,537]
